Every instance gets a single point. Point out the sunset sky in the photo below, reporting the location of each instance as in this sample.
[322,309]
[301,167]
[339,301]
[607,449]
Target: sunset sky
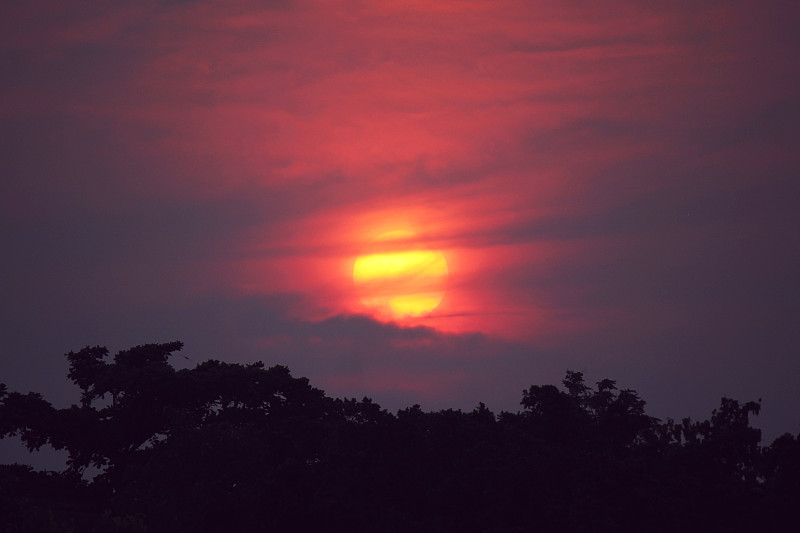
[615,187]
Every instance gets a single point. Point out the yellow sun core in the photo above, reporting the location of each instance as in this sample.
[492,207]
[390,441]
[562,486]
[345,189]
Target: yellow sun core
[400,280]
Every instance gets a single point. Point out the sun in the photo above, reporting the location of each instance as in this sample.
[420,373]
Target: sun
[398,279]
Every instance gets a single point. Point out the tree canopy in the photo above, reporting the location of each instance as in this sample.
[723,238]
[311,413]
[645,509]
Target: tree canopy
[231,447]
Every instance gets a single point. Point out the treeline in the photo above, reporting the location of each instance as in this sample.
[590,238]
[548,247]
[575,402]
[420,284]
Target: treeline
[228,447]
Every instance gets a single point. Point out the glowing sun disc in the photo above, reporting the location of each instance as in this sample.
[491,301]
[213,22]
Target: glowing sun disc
[399,279]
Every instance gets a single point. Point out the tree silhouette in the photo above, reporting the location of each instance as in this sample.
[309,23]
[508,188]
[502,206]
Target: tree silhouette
[230,447]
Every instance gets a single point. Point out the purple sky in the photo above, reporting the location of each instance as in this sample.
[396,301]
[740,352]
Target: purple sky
[615,186]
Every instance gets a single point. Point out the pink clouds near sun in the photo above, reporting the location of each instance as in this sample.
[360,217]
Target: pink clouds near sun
[483,127]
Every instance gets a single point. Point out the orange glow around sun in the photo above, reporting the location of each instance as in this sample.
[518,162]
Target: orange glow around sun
[397,279]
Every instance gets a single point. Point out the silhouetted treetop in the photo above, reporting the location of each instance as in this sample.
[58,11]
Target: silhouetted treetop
[242,447]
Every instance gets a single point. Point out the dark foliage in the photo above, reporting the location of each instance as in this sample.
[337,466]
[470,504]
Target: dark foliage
[228,447]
